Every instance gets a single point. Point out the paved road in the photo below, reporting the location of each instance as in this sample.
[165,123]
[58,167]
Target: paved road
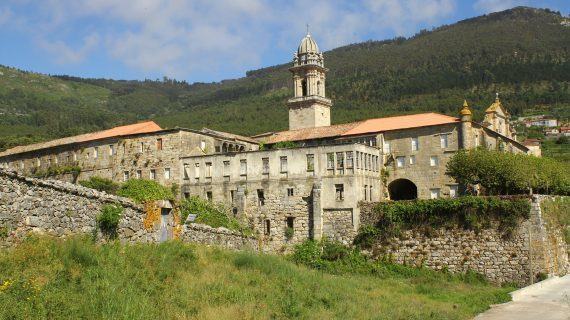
[545,300]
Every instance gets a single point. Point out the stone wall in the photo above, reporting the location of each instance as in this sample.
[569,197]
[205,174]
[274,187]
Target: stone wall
[61,209]
[203,234]
[534,248]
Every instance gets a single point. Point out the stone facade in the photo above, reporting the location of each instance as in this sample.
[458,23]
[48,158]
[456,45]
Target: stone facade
[534,248]
[221,237]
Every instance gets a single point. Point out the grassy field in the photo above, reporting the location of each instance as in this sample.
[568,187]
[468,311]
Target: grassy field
[54,279]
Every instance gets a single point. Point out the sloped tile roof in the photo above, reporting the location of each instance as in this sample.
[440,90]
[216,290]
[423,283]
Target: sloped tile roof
[362,127]
[143,127]
[229,136]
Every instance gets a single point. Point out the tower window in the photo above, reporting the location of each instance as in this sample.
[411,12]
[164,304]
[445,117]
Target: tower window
[318,88]
[304,87]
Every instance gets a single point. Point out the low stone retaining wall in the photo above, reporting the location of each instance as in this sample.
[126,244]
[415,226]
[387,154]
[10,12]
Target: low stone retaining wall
[204,234]
[534,248]
[61,209]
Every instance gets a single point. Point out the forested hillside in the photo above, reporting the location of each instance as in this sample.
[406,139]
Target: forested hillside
[522,53]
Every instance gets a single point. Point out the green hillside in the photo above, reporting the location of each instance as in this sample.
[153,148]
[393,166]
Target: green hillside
[76,279]
[523,53]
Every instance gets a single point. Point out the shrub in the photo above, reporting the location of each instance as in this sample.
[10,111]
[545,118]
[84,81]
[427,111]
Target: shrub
[58,170]
[108,219]
[468,212]
[508,173]
[289,233]
[101,184]
[557,211]
[212,214]
[142,190]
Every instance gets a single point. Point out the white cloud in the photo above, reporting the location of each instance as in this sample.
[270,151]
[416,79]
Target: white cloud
[487,6]
[179,37]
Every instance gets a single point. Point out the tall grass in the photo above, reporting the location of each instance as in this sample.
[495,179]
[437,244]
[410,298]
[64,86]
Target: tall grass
[76,279]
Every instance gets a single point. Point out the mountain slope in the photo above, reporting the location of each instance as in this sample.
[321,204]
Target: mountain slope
[522,53]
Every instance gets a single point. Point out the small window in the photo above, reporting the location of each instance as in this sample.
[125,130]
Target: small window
[141,147]
[243,167]
[203,145]
[339,192]
[265,162]
[227,168]
[415,144]
[139,174]
[349,160]
[453,191]
[197,171]
[444,141]
[38,162]
[330,161]
[267,228]
[283,164]
[290,222]
[387,148]
[340,160]
[186,171]
[74,156]
[186,195]
[310,162]
[433,161]
[111,150]
[125,176]
[95,152]
[260,197]
[370,194]
[412,160]
[159,144]
[208,169]
[209,195]
[232,195]
[152,174]
[290,192]
[400,161]
[167,173]
[434,193]
[365,192]
[357,160]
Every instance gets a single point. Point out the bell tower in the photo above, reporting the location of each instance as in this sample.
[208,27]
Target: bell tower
[309,107]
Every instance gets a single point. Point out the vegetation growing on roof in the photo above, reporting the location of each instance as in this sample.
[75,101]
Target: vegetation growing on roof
[143,190]
[101,184]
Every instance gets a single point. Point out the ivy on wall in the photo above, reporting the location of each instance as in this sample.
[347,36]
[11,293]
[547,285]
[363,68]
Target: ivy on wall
[470,212]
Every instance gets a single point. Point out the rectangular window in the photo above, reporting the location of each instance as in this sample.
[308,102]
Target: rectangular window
[209,195]
[283,162]
[400,161]
[186,171]
[139,174]
[340,160]
[365,192]
[125,176]
[152,174]
[339,192]
[208,169]
[74,156]
[412,160]
[433,161]
[111,150]
[415,144]
[267,229]
[265,162]
[443,139]
[290,192]
[453,191]
[167,173]
[310,162]
[370,193]
[349,160]
[290,222]
[226,168]
[330,161]
[159,144]
[141,147]
[357,160]
[38,162]
[95,152]
[434,193]
[387,148]
[243,167]
[186,195]
[197,171]
[232,195]
[203,145]
[260,197]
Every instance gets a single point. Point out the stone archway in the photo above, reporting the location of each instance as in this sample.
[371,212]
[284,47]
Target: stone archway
[402,189]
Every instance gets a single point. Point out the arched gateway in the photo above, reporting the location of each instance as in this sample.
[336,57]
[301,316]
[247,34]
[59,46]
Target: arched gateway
[402,189]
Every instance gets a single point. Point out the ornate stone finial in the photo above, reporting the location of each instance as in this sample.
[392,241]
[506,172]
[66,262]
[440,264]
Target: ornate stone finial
[465,105]
[465,111]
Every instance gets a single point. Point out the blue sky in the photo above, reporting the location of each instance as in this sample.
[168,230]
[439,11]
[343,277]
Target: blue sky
[207,40]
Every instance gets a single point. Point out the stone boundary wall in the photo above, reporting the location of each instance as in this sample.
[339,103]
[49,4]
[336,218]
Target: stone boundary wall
[59,208]
[222,237]
[533,249]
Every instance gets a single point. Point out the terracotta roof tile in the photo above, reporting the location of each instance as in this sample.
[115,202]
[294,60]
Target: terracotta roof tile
[362,127]
[143,127]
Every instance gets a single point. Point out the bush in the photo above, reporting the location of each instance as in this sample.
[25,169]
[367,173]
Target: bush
[101,184]
[469,212]
[214,215]
[289,233]
[108,219]
[142,190]
[502,173]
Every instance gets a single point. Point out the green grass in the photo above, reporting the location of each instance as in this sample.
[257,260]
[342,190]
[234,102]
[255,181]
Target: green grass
[558,151]
[75,279]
